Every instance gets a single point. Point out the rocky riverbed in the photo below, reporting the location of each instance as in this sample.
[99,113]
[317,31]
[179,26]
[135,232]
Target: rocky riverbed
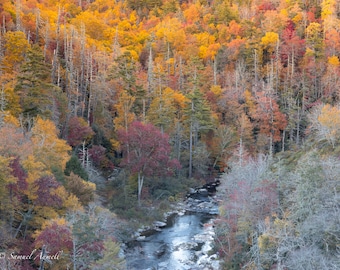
[183,240]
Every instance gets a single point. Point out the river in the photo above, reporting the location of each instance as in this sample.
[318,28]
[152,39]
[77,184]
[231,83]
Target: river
[184,243]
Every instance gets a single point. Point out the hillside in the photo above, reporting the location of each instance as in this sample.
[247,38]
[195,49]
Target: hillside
[110,110]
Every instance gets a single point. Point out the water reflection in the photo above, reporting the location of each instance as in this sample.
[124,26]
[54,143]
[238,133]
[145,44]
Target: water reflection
[173,248]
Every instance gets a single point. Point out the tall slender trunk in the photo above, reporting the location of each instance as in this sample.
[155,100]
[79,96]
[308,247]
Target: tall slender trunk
[283,141]
[190,151]
[74,253]
[190,141]
[140,187]
[215,71]
[240,153]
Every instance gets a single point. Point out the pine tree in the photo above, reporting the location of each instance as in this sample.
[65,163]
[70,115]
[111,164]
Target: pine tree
[34,85]
[198,119]
[74,165]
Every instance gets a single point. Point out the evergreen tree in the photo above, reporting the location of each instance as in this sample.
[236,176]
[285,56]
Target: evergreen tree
[198,119]
[74,165]
[34,85]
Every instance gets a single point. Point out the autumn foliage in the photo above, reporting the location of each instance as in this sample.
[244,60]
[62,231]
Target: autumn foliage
[149,91]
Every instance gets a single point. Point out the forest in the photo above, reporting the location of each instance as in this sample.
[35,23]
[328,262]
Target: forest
[110,110]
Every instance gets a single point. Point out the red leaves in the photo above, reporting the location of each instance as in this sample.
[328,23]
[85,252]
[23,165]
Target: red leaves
[146,150]
[55,237]
[78,132]
[18,172]
[97,154]
[45,191]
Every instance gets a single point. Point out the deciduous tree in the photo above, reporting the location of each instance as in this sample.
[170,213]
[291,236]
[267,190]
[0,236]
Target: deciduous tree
[270,121]
[47,147]
[149,152]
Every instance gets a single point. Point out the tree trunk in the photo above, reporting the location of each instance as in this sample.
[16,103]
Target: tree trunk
[240,159]
[140,187]
[74,253]
[190,144]
[215,72]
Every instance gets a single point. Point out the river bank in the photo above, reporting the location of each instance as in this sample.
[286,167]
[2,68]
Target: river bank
[183,240]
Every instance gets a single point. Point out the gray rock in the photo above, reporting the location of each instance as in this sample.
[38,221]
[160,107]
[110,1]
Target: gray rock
[159,224]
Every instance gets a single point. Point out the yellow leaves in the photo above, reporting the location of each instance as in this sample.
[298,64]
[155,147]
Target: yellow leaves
[125,115]
[133,17]
[250,103]
[16,46]
[44,132]
[266,242]
[115,144]
[11,120]
[208,48]
[134,54]
[328,125]
[270,39]
[333,61]
[203,52]
[70,201]
[204,38]
[179,100]
[217,90]
[328,8]
[330,117]
[58,221]
[124,25]
[284,12]
[313,31]
[84,190]
[297,18]
[35,170]
[172,31]
[48,148]
[94,26]
[5,176]
[309,52]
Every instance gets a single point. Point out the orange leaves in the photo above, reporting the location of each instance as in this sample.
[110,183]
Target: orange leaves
[208,47]
[235,46]
[235,29]
[332,42]
[334,61]
[94,27]
[179,100]
[210,51]
[169,29]
[192,14]
[270,120]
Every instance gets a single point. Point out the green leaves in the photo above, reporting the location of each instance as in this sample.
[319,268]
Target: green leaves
[34,85]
